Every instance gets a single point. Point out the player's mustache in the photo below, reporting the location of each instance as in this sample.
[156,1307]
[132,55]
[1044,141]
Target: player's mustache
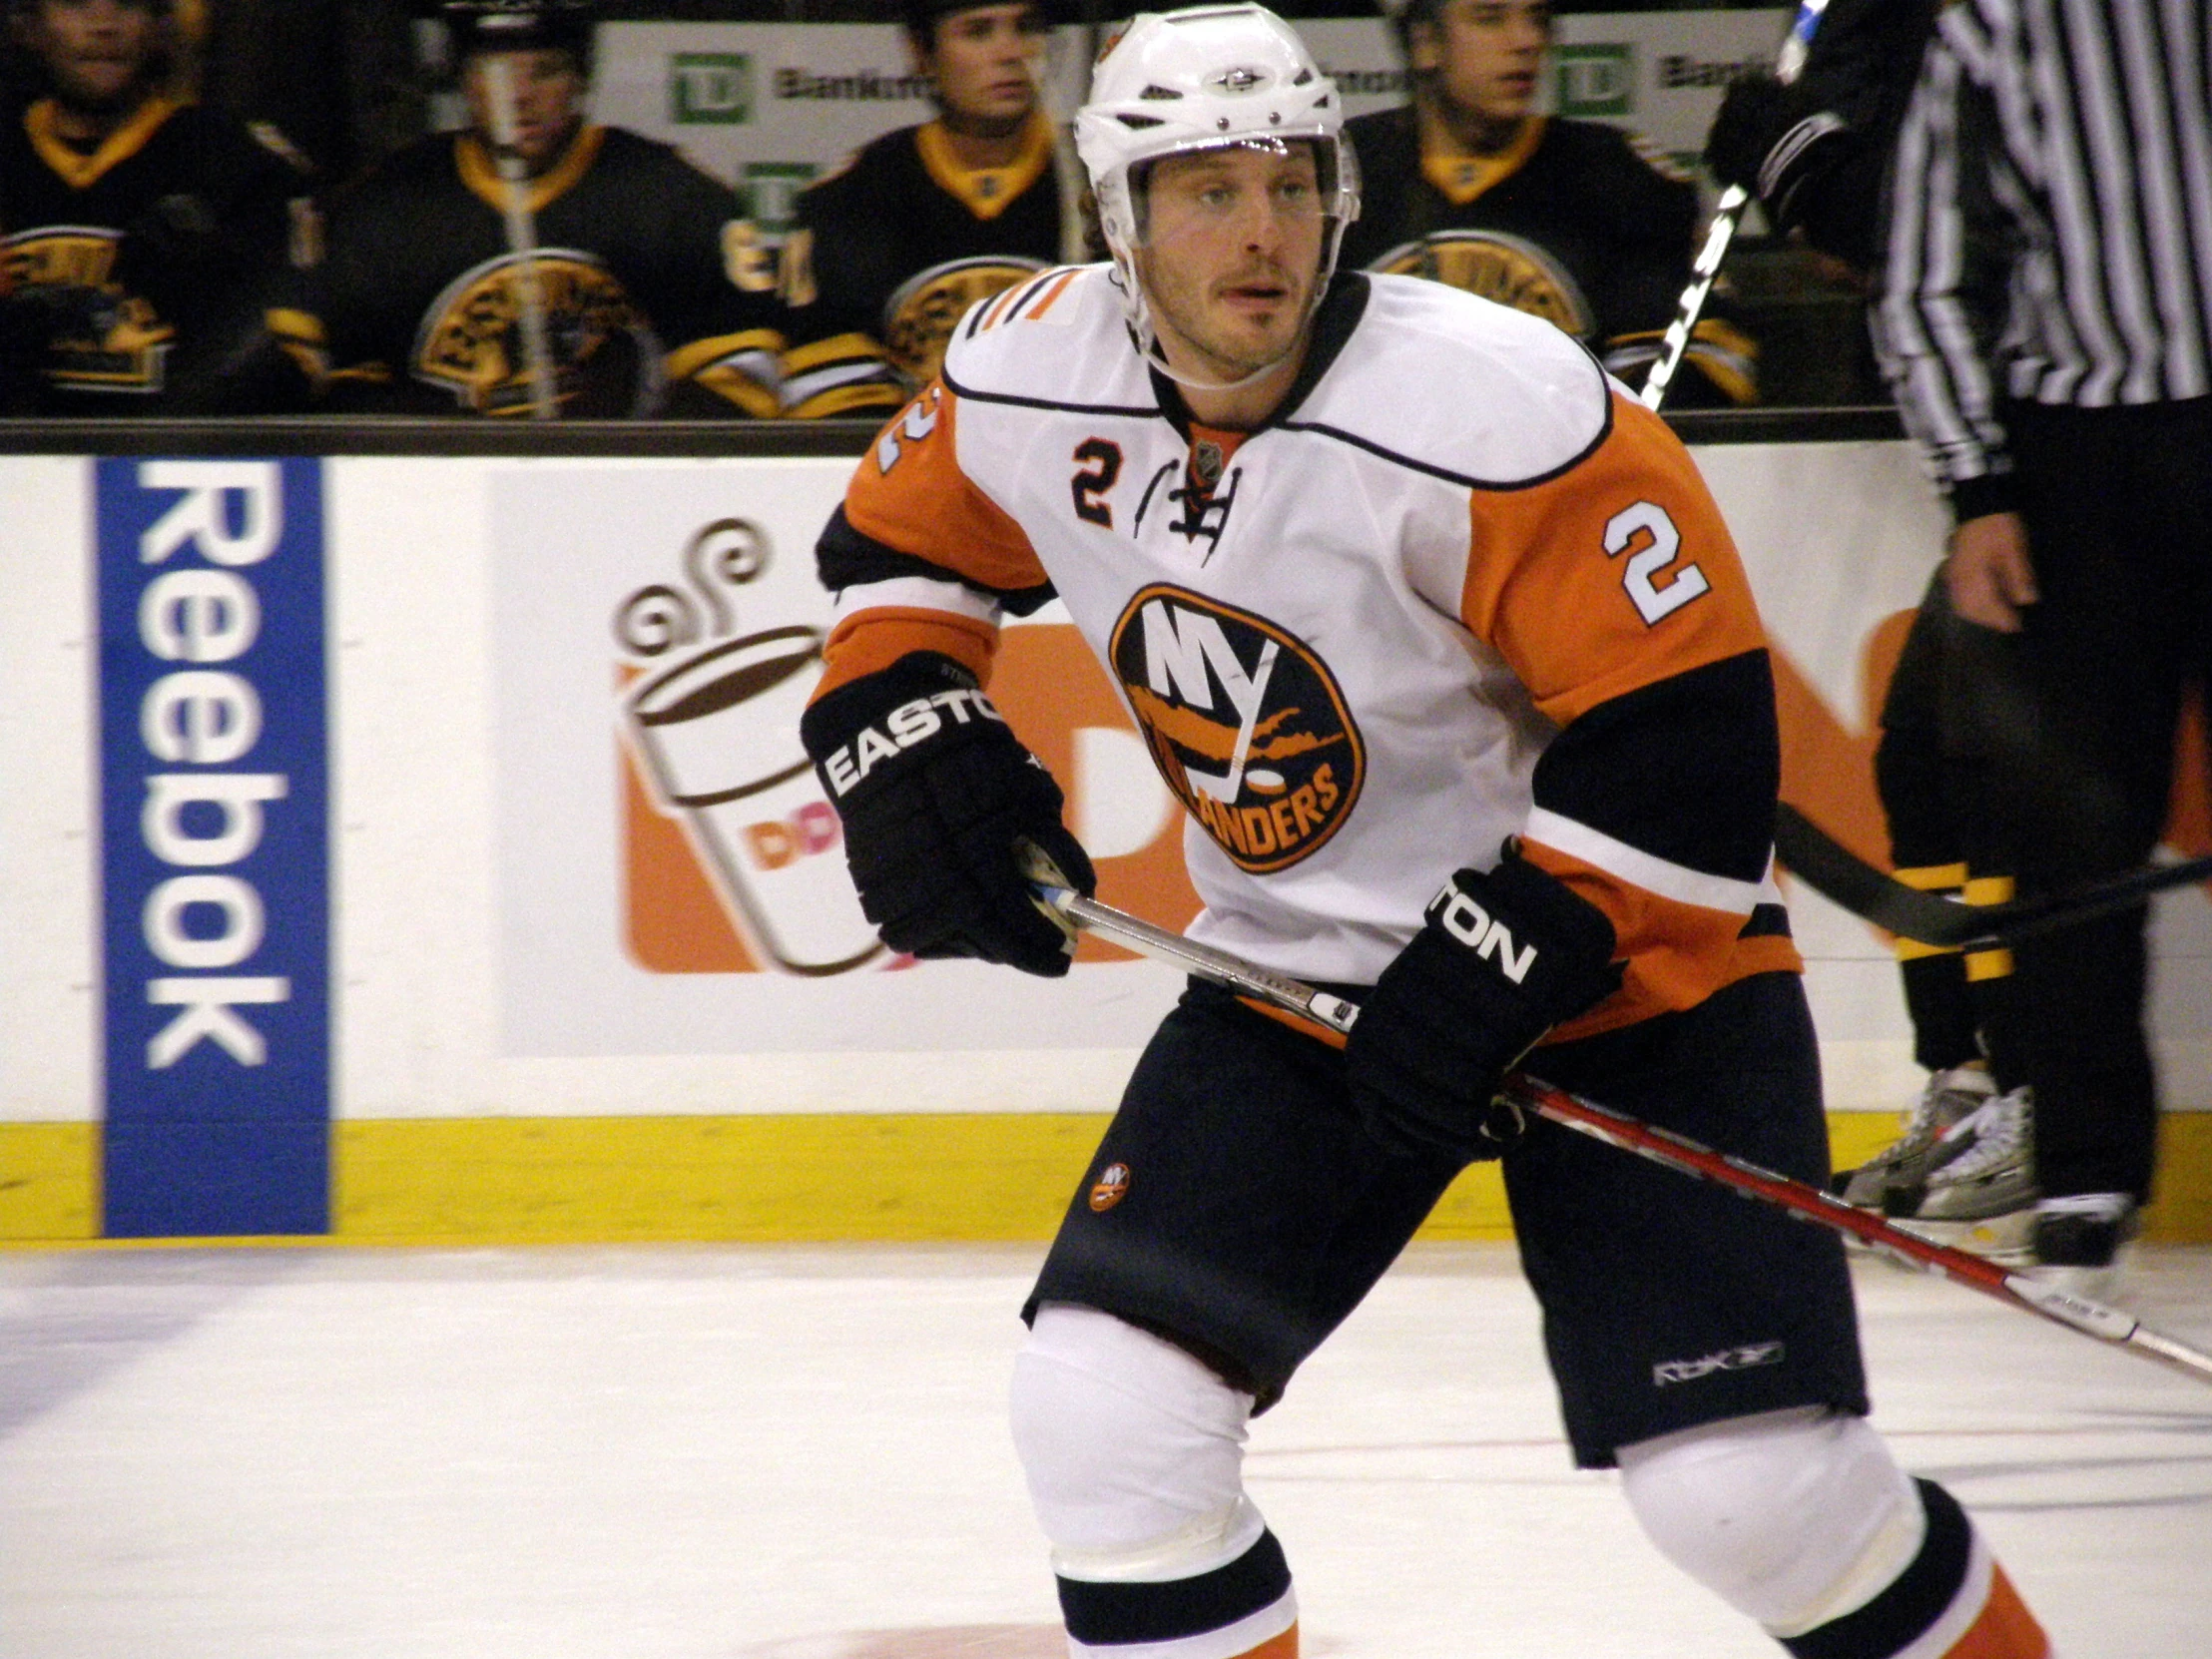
[1265,276]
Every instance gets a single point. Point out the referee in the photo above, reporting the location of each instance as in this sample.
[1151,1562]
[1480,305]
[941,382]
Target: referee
[2045,317]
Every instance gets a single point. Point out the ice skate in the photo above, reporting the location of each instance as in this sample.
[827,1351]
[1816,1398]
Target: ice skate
[1950,1097]
[1979,1190]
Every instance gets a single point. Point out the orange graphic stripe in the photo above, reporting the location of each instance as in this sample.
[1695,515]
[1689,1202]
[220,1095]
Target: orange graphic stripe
[1569,617]
[2005,1629]
[924,505]
[871,640]
[1283,1646]
[1676,954]
[1051,296]
[997,314]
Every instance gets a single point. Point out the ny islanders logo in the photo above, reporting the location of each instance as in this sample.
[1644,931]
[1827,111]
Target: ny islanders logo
[1243,720]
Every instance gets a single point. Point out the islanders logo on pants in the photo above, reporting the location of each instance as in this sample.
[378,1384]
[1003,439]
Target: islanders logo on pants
[1243,720]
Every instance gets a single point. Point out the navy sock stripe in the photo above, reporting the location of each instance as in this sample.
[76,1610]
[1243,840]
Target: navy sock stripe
[1100,1615]
[1921,1594]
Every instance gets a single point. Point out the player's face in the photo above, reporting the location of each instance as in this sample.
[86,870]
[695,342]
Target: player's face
[549,90]
[1232,250]
[95,50]
[984,60]
[1486,54]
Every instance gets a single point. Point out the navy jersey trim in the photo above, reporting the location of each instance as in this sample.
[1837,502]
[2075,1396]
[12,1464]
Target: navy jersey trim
[1102,1615]
[847,558]
[1920,1596]
[1686,769]
[1768,921]
[971,395]
[1464,481]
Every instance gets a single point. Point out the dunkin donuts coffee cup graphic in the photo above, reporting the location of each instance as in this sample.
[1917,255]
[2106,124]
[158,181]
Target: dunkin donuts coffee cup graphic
[717,737]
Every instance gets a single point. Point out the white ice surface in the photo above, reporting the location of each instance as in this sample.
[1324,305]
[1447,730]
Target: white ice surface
[747,1453]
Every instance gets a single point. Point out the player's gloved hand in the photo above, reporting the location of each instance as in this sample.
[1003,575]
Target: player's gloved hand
[1502,958]
[938,798]
[1770,139]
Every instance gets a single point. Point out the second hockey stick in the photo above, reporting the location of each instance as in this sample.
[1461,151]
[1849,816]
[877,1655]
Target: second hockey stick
[1833,871]
[1687,1157]
[1726,212]
[522,236]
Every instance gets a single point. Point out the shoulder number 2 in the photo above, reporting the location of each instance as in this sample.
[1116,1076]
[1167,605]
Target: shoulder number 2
[1647,524]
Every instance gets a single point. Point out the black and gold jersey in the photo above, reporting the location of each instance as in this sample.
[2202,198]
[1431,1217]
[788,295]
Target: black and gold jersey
[137,269]
[1574,222]
[893,248]
[419,304]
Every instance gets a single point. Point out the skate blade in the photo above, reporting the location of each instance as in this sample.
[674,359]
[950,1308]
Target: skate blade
[2007,1239]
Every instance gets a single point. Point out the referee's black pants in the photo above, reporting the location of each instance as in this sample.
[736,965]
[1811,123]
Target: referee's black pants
[2073,721]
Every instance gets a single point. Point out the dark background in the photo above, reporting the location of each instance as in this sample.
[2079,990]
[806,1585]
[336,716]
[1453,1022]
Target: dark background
[340,77]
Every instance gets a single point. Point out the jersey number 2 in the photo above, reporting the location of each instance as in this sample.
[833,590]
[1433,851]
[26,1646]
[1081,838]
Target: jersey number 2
[1095,480]
[1648,521]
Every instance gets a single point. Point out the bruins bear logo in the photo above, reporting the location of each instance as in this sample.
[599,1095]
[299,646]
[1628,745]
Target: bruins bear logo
[103,338]
[1243,720]
[1498,267]
[606,361]
[919,318]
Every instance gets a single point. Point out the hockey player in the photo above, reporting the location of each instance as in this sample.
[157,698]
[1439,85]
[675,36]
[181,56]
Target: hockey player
[423,305]
[139,229]
[926,221]
[1575,220]
[1437,635]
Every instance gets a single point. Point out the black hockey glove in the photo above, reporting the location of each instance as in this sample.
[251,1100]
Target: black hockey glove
[1502,959]
[1770,139]
[938,795]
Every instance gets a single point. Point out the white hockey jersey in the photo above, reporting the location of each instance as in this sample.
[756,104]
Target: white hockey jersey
[1458,588]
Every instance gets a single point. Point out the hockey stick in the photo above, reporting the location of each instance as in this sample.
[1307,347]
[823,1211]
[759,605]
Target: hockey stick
[523,234]
[1676,1151]
[1067,167]
[1815,858]
[1726,212]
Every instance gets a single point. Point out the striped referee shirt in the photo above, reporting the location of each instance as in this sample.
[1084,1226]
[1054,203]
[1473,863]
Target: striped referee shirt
[2050,233]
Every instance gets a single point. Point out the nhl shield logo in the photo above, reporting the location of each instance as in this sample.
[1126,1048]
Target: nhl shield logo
[1243,720]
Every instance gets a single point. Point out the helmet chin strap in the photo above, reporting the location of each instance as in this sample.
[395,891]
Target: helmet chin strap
[1155,354]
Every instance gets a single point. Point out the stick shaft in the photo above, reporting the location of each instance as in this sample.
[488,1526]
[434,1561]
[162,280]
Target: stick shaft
[1820,861]
[1067,167]
[1676,1151]
[523,234]
[1728,212]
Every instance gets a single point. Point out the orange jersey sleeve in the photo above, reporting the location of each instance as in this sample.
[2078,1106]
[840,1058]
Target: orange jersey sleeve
[1610,575]
[1614,592]
[910,495]
[920,557]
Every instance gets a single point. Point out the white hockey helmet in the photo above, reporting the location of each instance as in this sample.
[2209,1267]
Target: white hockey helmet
[1199,79]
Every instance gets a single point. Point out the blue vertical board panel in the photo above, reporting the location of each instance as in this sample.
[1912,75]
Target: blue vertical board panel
[215,847]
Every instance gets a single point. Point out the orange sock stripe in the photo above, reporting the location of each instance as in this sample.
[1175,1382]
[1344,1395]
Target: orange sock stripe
[2005,1629]
[1283,1646]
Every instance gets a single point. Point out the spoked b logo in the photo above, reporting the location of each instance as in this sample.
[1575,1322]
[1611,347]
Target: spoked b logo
[1243,720]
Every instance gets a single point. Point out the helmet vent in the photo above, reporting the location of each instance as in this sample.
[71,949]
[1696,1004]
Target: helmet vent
[1301,76]
[1137,123]
[1157,93]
